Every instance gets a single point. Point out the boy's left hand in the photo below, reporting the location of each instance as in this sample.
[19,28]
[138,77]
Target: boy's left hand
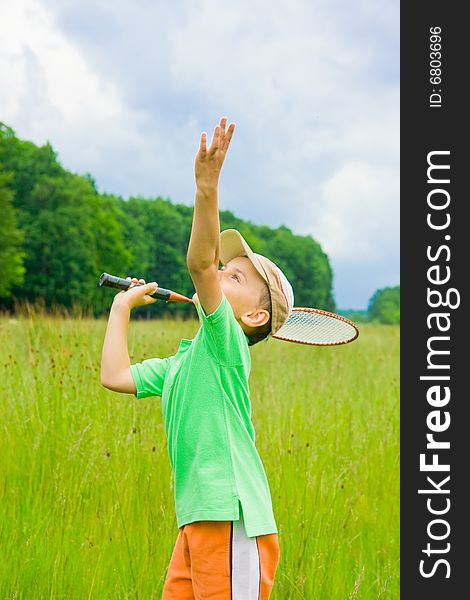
[209,161]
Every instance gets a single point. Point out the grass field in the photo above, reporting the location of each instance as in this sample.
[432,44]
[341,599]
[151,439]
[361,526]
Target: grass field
[86,498]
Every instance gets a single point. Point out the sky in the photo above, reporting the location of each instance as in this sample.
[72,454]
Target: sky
[122,90]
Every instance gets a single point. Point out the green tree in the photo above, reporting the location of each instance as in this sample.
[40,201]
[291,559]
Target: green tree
[305,265]
[70,243]
[160,233]
[12,269]
[384,306]
[28,164]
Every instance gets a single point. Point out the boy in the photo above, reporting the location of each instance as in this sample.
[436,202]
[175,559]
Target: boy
[227,546]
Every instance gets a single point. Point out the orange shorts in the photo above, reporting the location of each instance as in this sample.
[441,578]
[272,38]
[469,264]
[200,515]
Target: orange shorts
[215,560]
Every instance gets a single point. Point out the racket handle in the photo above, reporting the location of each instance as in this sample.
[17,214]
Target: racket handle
[111,281]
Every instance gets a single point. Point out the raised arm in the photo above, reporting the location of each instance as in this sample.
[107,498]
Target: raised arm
[203,250]
[115,361]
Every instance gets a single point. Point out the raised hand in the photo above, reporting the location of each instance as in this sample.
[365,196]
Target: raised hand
[209,161]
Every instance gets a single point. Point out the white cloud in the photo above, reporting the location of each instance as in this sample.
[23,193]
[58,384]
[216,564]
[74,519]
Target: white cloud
[49,92]
[358,213]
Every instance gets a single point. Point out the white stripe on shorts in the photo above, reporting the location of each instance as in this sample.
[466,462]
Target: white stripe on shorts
[245,564]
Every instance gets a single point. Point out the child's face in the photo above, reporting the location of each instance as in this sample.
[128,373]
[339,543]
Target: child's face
[243,285]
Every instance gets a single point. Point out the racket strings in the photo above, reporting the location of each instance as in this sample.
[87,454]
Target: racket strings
[316,328]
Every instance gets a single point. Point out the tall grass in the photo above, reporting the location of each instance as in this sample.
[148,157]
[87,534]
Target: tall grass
[86,496]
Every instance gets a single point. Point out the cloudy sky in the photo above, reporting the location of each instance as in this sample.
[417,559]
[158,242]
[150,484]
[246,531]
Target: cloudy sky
[123,89]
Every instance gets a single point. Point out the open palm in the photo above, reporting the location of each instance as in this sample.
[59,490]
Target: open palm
[209,161]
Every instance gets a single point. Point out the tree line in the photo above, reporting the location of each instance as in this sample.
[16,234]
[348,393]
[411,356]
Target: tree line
[59,233]
[384,306]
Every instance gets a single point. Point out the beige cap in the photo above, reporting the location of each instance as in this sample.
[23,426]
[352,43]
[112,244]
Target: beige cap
[232,244]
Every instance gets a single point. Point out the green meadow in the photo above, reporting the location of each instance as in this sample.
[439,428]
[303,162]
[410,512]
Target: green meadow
[86,497]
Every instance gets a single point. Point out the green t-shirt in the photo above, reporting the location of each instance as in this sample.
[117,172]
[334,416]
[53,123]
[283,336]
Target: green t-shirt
[206,407]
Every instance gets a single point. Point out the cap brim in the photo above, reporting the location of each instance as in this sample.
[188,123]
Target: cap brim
[232,244]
